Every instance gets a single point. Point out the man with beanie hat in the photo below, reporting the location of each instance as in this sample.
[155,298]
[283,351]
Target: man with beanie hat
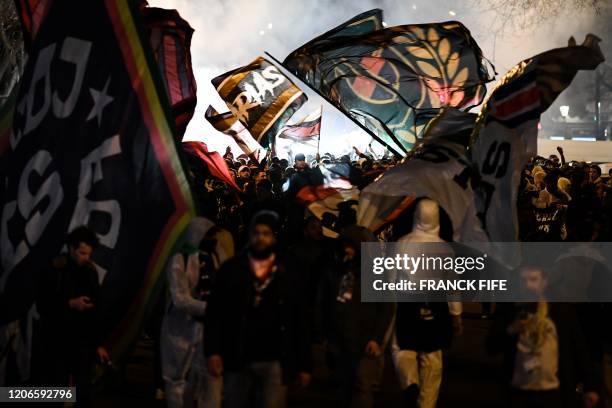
[300,162]
[257,324]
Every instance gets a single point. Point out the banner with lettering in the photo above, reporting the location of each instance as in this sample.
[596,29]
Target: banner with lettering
[92,144]
[260,97]
[437,169]
[507,130]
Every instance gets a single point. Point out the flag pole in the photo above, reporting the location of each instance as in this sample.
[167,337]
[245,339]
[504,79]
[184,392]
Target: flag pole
[319,138]
[362,126]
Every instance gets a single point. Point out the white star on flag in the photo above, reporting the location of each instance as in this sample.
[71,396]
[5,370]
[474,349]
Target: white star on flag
[101,99]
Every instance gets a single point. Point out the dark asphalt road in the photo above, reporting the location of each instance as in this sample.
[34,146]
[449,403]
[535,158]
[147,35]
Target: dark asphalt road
[471,378]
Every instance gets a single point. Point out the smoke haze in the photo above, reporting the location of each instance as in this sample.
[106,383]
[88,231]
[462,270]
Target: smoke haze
[232,33]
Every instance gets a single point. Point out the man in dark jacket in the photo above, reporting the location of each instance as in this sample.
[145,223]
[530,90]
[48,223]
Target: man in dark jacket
[68,340]
[257,332]
[313,253]
[545,352]
[356,332]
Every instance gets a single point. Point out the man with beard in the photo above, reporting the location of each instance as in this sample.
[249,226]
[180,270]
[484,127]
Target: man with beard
[257,327]
[67,303]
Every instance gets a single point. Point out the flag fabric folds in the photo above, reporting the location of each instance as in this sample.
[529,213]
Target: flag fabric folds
[260,97]
[92,144]
[228,124]
[31,14]
[506,134]
[306,131]
[7,111]
[213,161]
[438,169]
[324,189]
[394,80]
[170,38]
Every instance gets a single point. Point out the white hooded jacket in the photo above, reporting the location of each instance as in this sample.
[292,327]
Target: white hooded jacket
[426,228]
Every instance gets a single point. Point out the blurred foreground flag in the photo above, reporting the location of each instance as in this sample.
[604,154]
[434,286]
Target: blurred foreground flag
[92,143]
[32,14]
[260,97]
[306,131]
[325,189]
[393,80]
[507,129]
[169,36]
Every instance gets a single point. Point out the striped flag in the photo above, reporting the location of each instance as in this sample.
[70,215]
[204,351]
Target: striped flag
[32,13]
[260,97]
[170,37]
[506,131]
[228,124]
[306,130]
[324,189]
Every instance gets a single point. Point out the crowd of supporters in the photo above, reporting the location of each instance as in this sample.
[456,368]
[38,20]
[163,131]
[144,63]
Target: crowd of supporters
[557,201]
[261,289]
[268,185]
[562,201]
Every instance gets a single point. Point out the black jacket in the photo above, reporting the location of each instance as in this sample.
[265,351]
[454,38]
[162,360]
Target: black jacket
[349,325]
[413,332]
[231,302]
[59,323]
[574,360]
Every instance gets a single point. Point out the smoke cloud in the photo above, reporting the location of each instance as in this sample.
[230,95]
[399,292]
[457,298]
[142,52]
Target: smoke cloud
[232,33]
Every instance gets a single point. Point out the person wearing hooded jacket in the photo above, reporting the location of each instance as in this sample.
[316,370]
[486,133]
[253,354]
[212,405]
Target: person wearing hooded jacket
[423,329]
[189,272]
[355,332]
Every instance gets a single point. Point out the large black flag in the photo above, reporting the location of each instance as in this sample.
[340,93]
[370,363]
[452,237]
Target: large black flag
[394,80]
[92,144]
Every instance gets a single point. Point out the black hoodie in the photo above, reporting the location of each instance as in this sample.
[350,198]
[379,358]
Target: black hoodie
[345,321]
